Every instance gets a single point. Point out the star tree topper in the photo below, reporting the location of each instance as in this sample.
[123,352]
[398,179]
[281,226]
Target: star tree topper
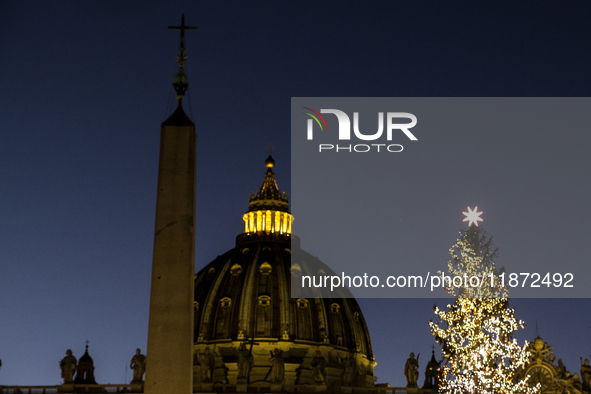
[472,216]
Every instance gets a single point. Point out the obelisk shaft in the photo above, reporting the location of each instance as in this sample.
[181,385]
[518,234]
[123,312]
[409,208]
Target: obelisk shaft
[169,358]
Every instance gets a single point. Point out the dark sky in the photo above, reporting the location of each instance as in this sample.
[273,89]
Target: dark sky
[85,86]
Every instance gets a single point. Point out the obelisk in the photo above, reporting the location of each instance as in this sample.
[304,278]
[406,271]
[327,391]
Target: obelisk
[169,358]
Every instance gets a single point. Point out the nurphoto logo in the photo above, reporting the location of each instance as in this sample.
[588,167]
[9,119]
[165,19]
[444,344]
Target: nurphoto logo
[345,130]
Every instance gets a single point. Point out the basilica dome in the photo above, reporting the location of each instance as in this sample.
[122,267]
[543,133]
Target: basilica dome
[243,297]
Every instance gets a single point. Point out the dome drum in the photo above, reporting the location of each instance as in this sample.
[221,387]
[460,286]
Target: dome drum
[298,359]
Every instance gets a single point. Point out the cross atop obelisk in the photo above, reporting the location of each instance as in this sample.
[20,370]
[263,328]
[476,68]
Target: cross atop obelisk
[182,28]
[181,81]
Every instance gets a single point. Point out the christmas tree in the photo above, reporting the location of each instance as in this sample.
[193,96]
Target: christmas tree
[476,330]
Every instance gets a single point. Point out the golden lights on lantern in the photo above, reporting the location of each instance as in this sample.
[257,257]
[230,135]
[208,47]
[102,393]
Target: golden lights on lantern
[270,222]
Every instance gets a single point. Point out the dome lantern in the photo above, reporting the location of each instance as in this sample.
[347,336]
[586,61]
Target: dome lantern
[268,209]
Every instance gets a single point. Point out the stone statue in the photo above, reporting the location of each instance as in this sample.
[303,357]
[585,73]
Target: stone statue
[560,369]
[277,372]
[138,364]
[319,368]
[586,376]
[245,362]
[411,371]
[569,384]
[207,362]
[349,365]
[68,366]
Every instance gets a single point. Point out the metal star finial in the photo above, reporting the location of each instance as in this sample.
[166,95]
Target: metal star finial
[472,216]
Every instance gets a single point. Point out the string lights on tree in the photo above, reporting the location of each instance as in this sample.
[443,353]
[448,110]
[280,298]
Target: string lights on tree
[475,332]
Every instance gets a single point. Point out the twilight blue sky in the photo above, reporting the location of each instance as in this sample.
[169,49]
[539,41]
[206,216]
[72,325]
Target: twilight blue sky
[85,86]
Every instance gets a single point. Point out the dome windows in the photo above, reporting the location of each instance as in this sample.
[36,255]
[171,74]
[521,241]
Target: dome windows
[265,268]
[226,302]
[302,303]
[264,300]
[236,270]
[335,308]
[296,270]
